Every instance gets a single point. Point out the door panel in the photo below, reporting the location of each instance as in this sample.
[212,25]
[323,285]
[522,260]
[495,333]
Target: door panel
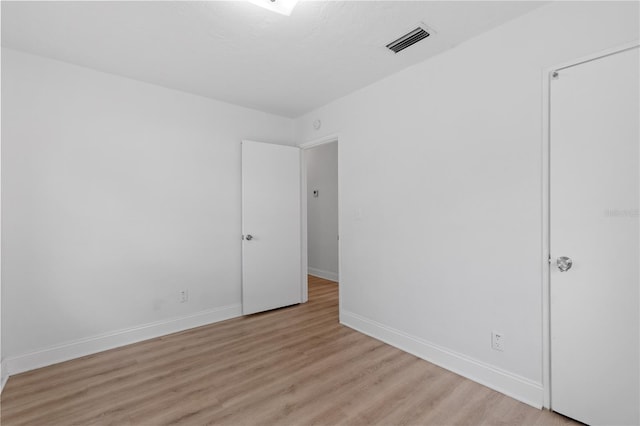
[271,268]
[594,201]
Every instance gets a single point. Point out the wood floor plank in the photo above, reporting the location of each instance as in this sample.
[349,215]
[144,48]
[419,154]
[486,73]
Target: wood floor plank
[290,366]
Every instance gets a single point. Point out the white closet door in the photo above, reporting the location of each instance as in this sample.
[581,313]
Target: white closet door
[271,246]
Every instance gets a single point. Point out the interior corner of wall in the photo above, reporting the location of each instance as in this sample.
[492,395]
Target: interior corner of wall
[3,375]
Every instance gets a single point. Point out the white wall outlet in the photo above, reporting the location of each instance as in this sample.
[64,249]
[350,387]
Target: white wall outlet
[184,296]
[497,341]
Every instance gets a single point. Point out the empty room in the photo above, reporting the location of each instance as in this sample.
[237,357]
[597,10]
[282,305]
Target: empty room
[297,212]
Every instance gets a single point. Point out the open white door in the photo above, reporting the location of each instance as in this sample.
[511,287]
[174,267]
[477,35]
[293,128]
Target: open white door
[594,222]
[271,245]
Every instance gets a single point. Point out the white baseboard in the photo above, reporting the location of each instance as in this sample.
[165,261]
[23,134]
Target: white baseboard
[327,275]
[95,344]
[3,375]
[510,384]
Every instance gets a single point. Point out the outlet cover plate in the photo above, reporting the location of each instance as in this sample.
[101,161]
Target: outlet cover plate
[497,341]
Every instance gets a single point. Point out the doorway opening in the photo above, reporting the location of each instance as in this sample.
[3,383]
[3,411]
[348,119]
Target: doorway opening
[320,217]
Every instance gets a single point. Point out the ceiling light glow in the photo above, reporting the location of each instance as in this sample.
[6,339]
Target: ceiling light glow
[283,7]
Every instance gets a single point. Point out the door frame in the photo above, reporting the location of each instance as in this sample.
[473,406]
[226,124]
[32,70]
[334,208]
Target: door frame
[547,75]
[303,210]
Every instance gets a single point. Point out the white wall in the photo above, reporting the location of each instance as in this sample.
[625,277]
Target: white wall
[322,212]
[116,195]
[2,369]
[440,194]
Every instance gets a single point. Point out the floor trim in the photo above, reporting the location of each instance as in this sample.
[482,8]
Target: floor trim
[92,345]
[327,275]
[510,384]
[3,375]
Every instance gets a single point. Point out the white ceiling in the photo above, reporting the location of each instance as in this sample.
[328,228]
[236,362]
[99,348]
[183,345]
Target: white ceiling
[237,52]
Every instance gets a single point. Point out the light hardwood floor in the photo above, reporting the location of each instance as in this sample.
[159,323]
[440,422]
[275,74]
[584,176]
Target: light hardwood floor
[295,365]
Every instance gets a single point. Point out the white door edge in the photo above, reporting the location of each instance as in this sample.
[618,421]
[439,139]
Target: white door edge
[545,213]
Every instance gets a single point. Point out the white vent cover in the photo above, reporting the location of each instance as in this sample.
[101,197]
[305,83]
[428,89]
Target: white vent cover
[408,39]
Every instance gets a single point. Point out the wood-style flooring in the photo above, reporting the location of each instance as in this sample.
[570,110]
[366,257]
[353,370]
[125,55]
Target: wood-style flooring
[292,366]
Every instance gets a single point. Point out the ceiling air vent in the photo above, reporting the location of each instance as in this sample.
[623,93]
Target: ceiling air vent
[408,39]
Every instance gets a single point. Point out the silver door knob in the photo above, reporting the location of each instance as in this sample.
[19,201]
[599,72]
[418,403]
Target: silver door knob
[249,237]
[564,263]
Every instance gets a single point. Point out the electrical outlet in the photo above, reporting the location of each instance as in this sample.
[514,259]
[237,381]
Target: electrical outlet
[497,341]
[184,296]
